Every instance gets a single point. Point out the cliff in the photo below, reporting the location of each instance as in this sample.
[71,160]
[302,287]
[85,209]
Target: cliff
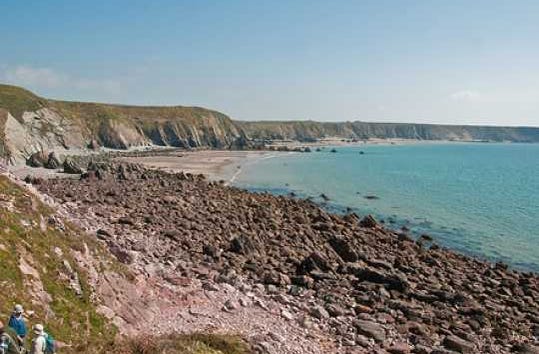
[29,123]
[310,131]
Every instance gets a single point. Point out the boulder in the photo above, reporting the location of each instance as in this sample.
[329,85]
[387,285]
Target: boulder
[243,245]
[368,221]
[319,312]
[93,145]
[458,344]
[373,275]
[71,167]
[37,159]
[344,249]
[53,162]
[370,329]
[315,261]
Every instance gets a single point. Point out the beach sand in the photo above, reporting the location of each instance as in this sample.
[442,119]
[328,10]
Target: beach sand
[215,164]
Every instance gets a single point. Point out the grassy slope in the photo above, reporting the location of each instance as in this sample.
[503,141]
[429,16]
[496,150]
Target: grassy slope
[17,100]
[75,319]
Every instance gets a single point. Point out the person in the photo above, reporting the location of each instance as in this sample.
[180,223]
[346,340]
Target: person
[8,344]
[39,343]
[18,323]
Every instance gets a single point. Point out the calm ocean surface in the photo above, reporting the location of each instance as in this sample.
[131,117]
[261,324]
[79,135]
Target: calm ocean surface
[479,199]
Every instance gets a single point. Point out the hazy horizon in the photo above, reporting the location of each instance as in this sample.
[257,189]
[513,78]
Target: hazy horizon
[373,61]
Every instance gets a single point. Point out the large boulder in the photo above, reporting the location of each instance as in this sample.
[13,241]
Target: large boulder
[53,162]
[93,145]
[316,261]
[368,221]
[71,167]
[37,159]
[343,248]
[243,245]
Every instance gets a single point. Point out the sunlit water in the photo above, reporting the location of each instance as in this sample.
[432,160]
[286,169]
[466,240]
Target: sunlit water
[480,199]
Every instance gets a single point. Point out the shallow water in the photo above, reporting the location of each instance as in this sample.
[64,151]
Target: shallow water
[480,199]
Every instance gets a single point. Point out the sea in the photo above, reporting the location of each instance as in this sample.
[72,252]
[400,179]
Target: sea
[480,199]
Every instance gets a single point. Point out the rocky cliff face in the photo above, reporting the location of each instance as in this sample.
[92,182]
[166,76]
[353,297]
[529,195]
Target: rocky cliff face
[29,123]
[309,131]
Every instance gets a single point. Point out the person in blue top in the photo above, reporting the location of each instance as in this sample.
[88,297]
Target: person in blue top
[18,324]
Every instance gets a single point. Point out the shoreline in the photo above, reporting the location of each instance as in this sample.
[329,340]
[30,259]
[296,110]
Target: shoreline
[227,165]
[327,271]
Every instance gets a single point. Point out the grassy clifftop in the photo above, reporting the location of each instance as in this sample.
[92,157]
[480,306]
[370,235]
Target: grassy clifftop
[17,100]
[310,130]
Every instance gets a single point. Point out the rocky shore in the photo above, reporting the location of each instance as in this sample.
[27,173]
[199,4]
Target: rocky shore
[320,283]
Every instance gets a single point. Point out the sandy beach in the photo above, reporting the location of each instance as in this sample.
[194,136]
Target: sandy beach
[215,164]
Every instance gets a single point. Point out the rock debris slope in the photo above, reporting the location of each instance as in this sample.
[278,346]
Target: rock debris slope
[348,280]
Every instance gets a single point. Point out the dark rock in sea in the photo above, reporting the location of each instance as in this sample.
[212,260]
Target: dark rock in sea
[362,152]
[333,150]
[324,197]
[307,149]
[425,238]
[371,197]
[318,149]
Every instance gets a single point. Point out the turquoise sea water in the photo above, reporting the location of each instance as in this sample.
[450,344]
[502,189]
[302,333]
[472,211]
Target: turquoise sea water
[479,199]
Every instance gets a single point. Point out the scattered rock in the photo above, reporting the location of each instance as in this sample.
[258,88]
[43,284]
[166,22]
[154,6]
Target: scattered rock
[458,344]
[371,329]
[368,221]
[71,167]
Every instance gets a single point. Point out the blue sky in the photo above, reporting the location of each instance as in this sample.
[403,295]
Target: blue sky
[471,62]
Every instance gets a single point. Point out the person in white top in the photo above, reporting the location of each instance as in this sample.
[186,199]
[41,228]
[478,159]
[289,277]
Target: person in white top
[39,343]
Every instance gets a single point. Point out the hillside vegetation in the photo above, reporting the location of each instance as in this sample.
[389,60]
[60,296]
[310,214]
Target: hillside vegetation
[40,268]
[39,271]
[311,131]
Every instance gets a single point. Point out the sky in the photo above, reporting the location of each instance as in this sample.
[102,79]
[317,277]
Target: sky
[432,61]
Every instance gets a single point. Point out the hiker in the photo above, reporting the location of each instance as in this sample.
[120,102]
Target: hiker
[18,324]
[8,343]
[43,343]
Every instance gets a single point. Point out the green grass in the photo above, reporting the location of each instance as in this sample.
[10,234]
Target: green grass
[17,100]
[73,319]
